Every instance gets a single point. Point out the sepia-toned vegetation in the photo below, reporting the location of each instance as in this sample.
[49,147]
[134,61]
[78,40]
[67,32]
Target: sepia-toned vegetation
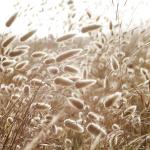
[78,92]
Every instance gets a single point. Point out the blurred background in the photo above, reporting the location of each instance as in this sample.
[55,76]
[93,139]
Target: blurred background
[60,16]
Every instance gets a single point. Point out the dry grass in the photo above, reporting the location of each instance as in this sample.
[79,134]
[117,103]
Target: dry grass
[79,95]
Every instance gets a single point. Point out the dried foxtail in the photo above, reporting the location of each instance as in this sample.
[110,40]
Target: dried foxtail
[67,54]
[63,81]
[8,41]
[76,102]
[72,124]
[27,35]
[84,83]
[11,20]
[65,37]
[90,28]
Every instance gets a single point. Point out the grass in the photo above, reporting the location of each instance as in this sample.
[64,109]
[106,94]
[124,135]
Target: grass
[101,103]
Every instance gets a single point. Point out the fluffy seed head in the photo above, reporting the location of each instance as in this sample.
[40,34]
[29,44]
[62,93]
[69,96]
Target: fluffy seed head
[22,65]
[38,54]
[32,70]
[111,99]
[27,35]
[95,129]
[9,62]
[17,52]
[84,83]
[53,70]
[65,37]
[26,90]
[77,103]
[106,83]
[11,20]
[110,25]
[41,106]
[90,28]
[63,81]
[93,116]
[8,41]
[73,125]
[48,61]
[114,63]
[71,69]
[25,47]
[36,82]
[67,54]
[19,78]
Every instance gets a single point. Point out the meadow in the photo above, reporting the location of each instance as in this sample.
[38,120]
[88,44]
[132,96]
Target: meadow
[86,91]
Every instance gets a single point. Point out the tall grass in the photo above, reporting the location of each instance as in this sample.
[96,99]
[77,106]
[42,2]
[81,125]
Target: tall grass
[79,96]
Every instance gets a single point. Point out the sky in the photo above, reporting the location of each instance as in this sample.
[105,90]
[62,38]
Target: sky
[51,16]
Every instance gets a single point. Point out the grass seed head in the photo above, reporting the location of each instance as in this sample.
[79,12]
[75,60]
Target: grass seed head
[110,25]
[63,81]
[77,103]
[36,82]
[67,54]
[17,52]
[8,41]
[48,61]
[9,63]
[26,90]
[71,69]
[53,70]
[95,129]
[22,65]
[93,116]
[90,28]
[111,99]
[84,83]
[25,47]
[11,20]
[40,106]
[38,54]
[114,63]
[73,125]
[65,37]
[27,35]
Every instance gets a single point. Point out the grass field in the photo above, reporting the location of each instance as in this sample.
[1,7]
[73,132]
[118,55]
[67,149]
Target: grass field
[79,91]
